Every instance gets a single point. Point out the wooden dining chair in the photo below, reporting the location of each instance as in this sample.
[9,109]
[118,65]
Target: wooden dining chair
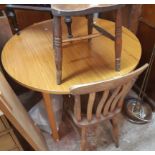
[110,104]
[69,10]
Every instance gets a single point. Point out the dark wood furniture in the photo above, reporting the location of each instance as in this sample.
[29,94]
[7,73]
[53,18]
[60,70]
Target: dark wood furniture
[130,16]
[110,104]
[146,35]
[68,10]
[11,9]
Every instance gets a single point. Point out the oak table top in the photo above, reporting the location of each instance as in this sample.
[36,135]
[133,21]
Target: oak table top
[29,57]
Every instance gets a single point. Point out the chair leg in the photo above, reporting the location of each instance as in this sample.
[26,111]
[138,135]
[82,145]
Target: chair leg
[57,45]
[118,40]
[83,138]
[115,132]
[92,134]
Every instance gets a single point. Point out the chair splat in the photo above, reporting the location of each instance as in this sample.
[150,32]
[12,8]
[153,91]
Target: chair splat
[90,106]
[102,103]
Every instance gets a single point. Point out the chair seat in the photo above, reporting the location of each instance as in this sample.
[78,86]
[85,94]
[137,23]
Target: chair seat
[77,7]
[81,9]
[85,122]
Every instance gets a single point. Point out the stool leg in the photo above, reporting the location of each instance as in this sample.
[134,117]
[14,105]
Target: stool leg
[50,113]
[57,44]
[68,21]
[90,24]
[118,40]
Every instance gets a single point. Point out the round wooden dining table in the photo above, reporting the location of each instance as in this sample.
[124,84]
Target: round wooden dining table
[29,59]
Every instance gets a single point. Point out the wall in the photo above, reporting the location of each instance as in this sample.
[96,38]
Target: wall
[146,35]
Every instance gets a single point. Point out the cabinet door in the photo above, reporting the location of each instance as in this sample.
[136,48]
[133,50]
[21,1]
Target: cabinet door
[17,115]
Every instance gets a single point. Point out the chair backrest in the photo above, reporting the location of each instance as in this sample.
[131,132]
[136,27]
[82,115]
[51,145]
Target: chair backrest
[113,93]
[13,109]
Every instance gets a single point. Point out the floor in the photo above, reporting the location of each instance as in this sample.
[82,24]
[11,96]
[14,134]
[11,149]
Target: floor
[133,137]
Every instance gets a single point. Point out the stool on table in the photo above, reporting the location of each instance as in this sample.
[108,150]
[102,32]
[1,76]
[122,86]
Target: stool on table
[68,10]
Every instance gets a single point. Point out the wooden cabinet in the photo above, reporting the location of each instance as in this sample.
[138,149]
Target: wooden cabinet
[8,140]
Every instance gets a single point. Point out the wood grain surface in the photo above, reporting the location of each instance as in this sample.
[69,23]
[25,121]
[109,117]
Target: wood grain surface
[28,58]
[78,7]
[18,116]
[82,9]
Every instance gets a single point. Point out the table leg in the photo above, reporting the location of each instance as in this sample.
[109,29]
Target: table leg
[57,44]
[51,117]
[118,40]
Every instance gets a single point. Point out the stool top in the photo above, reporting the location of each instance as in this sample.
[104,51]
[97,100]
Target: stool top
[29,57]
[81,9]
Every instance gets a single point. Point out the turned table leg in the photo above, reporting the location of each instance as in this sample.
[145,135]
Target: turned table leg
[68,21]
[51,117]
[118,40]
[57,45]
